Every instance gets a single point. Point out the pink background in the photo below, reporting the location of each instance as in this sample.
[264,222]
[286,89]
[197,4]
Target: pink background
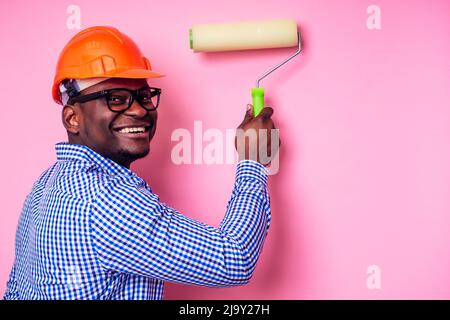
[364,117]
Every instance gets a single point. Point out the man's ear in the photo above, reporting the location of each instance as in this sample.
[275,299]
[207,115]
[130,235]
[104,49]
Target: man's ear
[71,118]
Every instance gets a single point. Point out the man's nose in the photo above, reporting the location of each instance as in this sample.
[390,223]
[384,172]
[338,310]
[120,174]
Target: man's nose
[136,110]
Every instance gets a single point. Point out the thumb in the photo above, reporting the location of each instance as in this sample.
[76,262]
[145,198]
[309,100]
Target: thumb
[266,113]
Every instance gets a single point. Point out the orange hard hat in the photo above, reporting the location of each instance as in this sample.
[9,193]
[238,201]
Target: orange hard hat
[100,52]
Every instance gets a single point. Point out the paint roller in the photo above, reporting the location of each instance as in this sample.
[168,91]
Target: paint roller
[247,36]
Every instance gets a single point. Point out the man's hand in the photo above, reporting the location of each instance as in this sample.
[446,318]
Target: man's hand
[254,137]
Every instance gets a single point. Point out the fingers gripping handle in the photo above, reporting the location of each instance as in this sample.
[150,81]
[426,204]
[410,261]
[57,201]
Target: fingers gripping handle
[258,100]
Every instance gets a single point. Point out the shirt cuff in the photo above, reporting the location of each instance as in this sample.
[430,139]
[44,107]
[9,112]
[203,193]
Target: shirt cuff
[252,169]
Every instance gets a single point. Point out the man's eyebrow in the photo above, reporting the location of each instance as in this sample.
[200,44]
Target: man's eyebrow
[123,86]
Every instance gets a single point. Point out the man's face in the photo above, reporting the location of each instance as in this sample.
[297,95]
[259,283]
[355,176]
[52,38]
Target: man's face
[102,130]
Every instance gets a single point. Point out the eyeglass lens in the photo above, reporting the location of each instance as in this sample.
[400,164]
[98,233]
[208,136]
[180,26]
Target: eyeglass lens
[119,100]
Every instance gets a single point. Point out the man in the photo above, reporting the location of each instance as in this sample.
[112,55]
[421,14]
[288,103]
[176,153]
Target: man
[91,228]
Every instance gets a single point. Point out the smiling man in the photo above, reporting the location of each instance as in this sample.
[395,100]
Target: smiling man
[91,228]
[124,133]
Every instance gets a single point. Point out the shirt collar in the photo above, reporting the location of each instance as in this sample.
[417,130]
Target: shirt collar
[77,152]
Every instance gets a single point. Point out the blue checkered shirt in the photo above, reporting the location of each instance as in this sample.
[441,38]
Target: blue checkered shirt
[92,229]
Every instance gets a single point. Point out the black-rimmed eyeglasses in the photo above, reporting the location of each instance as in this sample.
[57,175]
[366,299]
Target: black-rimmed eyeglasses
[121,99]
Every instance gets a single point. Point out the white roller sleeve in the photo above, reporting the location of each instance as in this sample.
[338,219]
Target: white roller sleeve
[244,35]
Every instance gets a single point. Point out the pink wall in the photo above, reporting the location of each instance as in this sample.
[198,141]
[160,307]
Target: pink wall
[364,117]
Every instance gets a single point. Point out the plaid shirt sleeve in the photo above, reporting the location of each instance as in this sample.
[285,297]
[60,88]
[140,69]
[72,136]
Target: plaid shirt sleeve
[133,232]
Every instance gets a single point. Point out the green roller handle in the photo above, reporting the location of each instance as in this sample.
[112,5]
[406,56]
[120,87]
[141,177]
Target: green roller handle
[258,100]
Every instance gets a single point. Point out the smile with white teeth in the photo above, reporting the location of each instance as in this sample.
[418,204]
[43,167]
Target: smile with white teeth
[132,130]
